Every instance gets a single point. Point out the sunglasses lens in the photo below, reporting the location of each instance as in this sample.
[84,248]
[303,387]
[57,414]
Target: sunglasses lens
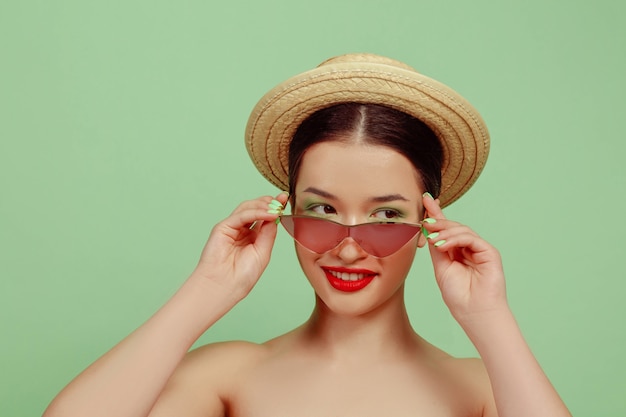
[318,235]
[383,239]
[377,239]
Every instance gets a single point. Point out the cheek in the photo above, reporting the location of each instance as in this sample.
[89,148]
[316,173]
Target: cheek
[307,260]
[400,262]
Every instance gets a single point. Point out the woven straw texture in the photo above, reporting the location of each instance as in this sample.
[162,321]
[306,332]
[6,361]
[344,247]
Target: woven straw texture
[367,78]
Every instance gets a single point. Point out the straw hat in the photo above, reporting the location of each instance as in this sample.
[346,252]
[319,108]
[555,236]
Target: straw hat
[367,78]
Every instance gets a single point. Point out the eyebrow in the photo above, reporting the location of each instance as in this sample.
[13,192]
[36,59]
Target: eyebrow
[319,192]
[378,199]
[387,198]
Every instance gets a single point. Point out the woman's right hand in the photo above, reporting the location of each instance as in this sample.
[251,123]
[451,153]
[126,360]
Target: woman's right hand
[130,378]
[239,247]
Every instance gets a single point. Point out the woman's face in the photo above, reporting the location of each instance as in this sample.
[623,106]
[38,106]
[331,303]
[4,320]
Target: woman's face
[355,183]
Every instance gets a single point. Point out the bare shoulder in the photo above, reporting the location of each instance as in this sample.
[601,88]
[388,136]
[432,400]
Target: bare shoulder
[205,377]
[464,379]
[466,367]
[227,355]
[471,374]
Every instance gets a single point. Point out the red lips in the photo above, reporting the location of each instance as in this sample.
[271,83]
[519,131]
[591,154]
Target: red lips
[348,279]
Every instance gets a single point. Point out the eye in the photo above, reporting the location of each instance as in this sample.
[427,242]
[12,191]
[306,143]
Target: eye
[322,209]
[386,214]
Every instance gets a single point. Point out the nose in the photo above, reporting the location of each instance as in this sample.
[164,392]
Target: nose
[349,250]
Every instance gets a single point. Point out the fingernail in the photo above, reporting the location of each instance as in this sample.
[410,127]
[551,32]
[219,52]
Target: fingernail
[441,242]
[275,207]
[427,194]
[285,192]
[429,220]
[433,236]
[275,204]
[425,232]
[277,221]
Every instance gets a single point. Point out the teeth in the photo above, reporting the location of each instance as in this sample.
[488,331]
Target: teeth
[345,276]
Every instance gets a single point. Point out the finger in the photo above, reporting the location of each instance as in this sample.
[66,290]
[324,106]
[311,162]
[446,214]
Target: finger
[440,259]
[266,231]
[433,210]
[473,247]
[445,228]
[254,215]
[245,218]
[283,197]
[259,202]
[445,238]
[264,203]
[441,228]
[276,206]
[265,238]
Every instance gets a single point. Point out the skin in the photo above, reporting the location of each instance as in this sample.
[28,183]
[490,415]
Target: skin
[358,354]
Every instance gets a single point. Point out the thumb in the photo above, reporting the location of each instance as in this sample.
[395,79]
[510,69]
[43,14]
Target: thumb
[440,259]
[266,235]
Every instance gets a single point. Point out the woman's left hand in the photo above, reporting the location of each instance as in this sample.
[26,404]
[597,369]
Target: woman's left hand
[467,268]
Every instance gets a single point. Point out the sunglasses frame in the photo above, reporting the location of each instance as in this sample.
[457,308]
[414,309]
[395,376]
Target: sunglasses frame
[348,233]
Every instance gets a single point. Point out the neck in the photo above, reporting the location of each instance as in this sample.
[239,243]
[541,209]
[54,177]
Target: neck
[379,331]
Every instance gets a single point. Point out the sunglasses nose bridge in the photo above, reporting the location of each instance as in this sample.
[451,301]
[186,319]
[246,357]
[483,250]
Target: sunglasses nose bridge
[342,232]
[349,248]
[351,234]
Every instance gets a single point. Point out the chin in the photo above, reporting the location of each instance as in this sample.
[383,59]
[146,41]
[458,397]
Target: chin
[368,294]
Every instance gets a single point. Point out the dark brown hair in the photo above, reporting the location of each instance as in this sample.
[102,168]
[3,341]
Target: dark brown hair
[371,124]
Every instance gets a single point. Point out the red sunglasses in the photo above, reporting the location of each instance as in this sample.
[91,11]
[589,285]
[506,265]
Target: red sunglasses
[379,239]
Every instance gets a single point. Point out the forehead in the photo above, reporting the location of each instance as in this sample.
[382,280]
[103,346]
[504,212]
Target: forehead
[358,169]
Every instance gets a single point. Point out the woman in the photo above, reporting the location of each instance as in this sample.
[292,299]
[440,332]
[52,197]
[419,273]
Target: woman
[360,142]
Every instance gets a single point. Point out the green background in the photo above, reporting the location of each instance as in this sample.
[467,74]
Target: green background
[121,144]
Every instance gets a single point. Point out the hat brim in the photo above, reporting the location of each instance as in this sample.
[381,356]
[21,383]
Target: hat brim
[459,127]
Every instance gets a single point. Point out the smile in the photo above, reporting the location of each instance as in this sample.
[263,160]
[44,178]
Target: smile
[347,276]
[348,280]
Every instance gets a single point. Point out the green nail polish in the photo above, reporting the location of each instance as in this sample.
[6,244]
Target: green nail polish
[425,232]
[429,220]
[274,211]
[433,236]
[277,221]
[441,242]
[276,204]
[427,194]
